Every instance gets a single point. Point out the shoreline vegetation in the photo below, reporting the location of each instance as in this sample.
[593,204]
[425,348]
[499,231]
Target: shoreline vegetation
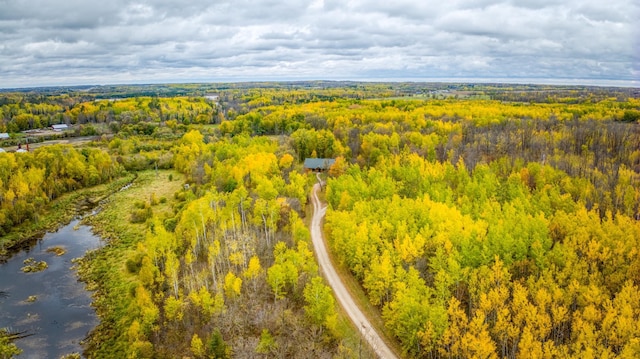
[476,219]
[60,211]
[103,270]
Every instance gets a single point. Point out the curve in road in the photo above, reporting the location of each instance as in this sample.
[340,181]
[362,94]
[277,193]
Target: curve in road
[339,289]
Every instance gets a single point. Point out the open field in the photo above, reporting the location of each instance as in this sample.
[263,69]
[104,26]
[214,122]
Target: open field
[75,141]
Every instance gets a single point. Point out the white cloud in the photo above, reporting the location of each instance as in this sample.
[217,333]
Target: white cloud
[47,42]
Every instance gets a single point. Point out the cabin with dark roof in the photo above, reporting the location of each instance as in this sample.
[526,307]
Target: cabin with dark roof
[318,164]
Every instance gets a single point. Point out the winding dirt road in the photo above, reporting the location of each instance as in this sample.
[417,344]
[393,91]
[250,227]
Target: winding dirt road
[340,291]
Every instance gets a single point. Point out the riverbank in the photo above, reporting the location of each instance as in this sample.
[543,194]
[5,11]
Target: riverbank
[60,211]
[105,270]
[50,307]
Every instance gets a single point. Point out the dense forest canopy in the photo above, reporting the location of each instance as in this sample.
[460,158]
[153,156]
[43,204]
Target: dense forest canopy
[28,181]
[480,220]
[36,108]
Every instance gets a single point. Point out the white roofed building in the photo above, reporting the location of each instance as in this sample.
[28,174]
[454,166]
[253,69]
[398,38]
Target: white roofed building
[60,127]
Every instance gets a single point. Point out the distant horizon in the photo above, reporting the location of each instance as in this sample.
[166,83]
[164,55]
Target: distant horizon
[46,43]
[470,80]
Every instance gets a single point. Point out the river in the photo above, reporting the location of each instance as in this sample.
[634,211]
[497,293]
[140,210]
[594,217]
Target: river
[61,316]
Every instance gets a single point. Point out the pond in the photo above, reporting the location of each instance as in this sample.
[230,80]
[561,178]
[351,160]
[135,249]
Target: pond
[51,304]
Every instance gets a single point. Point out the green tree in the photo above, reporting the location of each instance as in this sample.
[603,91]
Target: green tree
[320,303]
[217,348]
[267,343]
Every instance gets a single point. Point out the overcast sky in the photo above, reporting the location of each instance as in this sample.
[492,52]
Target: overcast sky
[75,42]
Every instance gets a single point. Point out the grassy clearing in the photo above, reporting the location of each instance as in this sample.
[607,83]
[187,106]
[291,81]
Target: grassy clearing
[105,271]
[113,221]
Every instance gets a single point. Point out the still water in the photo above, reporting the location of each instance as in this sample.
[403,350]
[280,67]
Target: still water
[61,315]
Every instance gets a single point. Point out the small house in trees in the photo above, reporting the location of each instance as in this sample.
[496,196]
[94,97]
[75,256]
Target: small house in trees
[318,164]
[61,127]
[4,136]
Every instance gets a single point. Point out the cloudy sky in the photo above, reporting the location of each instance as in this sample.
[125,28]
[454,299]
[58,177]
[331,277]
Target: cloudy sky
[75,42]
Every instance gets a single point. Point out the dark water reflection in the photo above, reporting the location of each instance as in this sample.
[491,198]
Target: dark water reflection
[61,316]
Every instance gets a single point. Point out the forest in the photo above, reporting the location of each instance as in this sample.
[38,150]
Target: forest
[480,221]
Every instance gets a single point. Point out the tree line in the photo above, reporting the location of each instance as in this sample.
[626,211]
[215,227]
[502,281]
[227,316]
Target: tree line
[31,180]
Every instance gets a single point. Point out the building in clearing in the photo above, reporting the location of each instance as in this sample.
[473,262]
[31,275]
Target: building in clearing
[318,164]
[60,127]
[4,136]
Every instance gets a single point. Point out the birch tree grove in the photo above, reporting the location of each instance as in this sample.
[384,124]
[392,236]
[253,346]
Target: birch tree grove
[480,220]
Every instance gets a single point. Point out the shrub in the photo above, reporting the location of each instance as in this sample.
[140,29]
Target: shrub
[141,215]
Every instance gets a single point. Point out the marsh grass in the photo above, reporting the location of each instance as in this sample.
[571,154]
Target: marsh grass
[32,266]
[57,250]
[105,270]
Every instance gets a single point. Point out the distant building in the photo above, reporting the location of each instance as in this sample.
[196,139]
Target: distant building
[318,164]
[4,136]
[60,127]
